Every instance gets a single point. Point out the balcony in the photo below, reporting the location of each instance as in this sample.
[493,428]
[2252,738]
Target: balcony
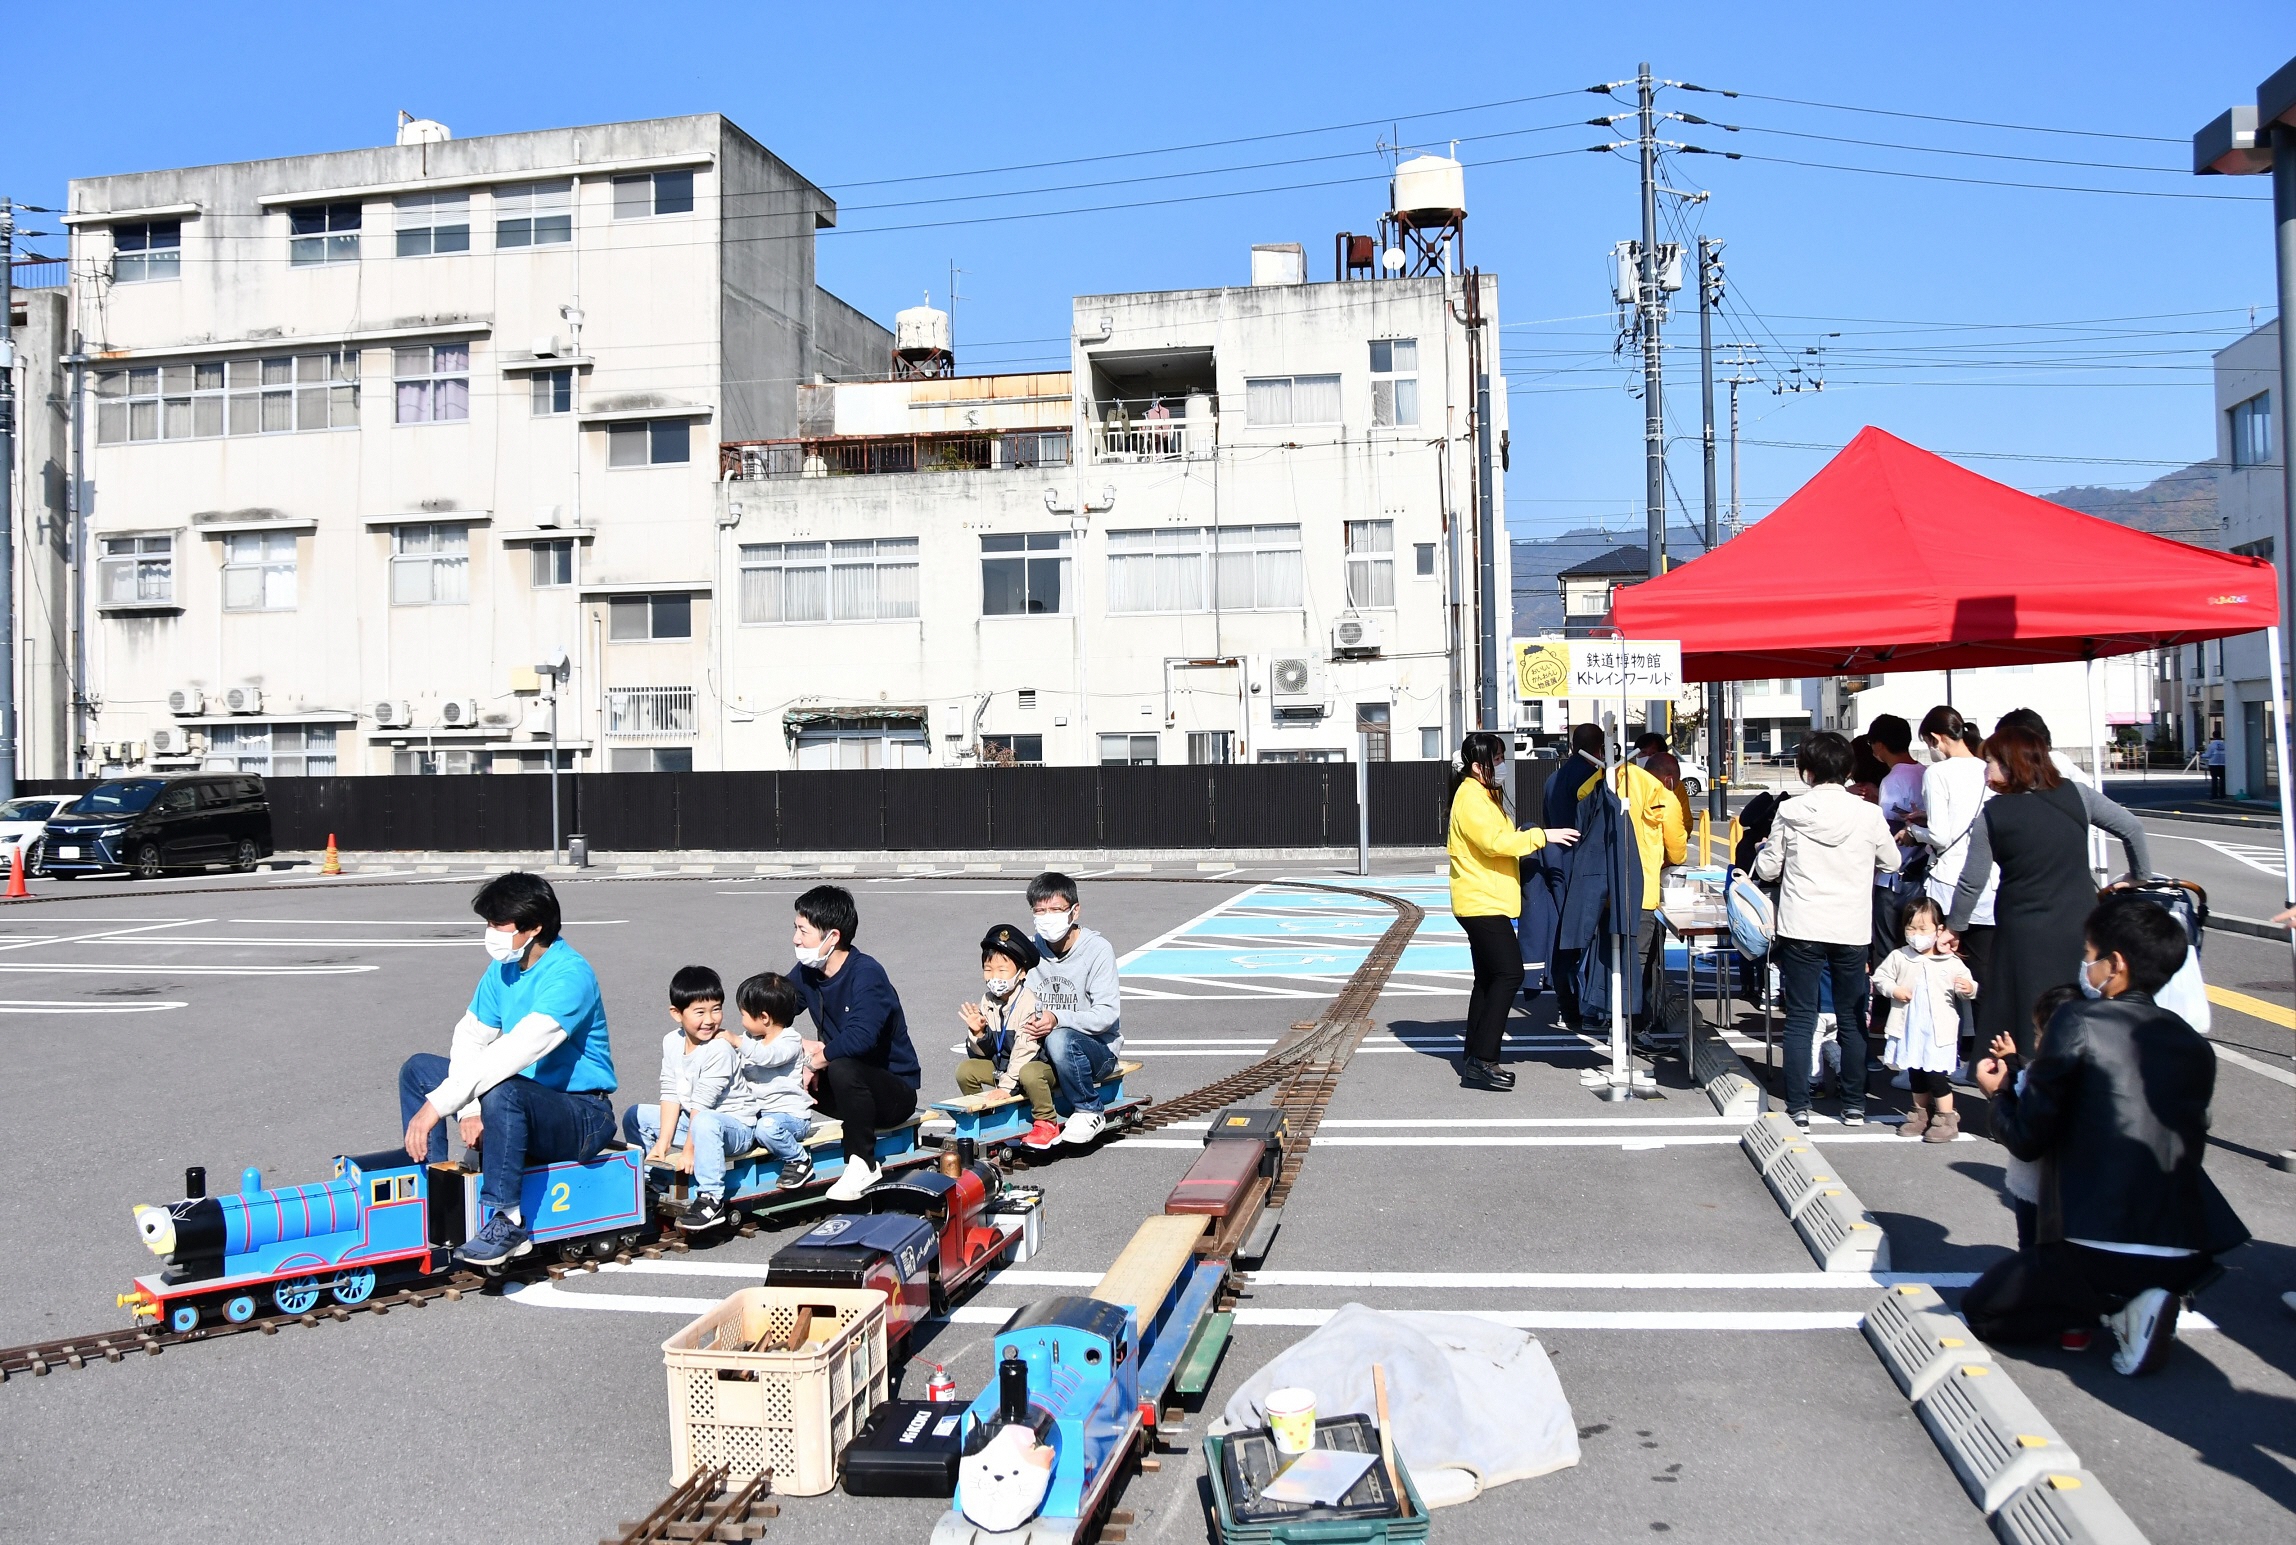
[1153,429]
[869,455]
[650,713]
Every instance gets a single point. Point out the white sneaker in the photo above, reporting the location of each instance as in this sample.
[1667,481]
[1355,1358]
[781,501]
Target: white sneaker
[2145,1329]
[858,1176]
[1904,1079]
[1082,1127]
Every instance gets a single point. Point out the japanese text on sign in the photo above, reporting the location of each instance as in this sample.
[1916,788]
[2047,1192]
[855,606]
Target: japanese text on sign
[1581,667]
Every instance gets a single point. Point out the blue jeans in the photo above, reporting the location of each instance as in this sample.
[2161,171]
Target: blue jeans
[715,1136]
[526,1124]
[1800,963]
[1080,1060]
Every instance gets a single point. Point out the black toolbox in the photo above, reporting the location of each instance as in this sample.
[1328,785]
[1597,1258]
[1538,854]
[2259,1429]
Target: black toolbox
[907,1448]
[1271,1127]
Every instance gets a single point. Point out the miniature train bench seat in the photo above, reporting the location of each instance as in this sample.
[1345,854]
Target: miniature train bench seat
[996,1115]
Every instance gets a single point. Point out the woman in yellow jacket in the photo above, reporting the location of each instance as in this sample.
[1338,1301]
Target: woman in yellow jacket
[1486,898]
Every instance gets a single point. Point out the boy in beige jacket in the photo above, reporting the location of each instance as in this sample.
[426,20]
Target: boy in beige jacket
[1003,1052]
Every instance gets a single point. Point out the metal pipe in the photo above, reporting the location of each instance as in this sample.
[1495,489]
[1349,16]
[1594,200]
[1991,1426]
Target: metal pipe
[1363,802]
[7,501]
[1716,808]
[2284,231]
[1647,304]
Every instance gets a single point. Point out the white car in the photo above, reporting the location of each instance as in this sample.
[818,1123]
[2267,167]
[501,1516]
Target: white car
[22,821]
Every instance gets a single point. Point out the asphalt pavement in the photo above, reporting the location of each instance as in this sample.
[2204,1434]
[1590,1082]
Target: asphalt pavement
[1717,1378]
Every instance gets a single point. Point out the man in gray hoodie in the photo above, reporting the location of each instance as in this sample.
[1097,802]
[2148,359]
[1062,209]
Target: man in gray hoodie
[1078,1002]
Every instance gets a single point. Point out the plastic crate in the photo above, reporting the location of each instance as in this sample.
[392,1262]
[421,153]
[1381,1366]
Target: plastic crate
[1241,1462]
[791,1412]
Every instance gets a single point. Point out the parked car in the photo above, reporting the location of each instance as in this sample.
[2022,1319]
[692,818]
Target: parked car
[147,826]
[21,823]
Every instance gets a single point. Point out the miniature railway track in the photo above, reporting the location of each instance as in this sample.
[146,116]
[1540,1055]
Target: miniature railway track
[706,1506]
[1306,1063]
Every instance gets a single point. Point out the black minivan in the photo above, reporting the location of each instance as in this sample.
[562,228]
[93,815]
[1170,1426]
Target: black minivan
[147,826]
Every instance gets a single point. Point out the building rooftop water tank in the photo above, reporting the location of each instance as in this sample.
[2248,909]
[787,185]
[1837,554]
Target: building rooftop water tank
[919,331]
[422,131]
[1429,187]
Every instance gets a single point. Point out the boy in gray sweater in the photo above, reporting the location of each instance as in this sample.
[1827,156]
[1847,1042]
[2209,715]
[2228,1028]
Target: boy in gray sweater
[1079,1002]
[766,1101]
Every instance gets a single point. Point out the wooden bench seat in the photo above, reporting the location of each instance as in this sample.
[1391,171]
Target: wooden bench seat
[1143,1275]
[993,1098]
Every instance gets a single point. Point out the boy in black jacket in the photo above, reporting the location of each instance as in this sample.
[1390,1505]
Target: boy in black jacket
[2115,1111]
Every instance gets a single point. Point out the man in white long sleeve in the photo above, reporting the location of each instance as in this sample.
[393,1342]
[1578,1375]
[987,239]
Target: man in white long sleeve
[531,1074]
[1079,1003]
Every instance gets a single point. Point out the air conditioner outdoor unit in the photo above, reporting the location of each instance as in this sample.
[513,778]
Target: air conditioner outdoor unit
[171,740]
[458,713]
[1355,635]
[244,698]
[505,716]
[1291,678]
[184,702]
[394,714]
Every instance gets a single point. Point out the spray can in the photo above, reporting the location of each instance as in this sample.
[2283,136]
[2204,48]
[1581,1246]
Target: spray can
[940,1386]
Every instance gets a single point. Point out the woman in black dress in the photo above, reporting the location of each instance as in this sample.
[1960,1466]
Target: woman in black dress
[2035,830]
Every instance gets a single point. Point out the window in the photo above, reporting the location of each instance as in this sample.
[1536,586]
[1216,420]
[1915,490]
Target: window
[1431,743]
[1256,568]
[1208,748]
[1025,574]
[1371,722]
[1395,381]
[535,214]
[650,713]
[1128,751]
[2252,431]
[431,383]
[1423,559]
[657,193]
[272,750]
[650,759]
[1371,563]
[553,564]
[867,580]
[1251,568]
[434,761]
[659,443]
[240,397]
[1012,750]
[430,565]
[259,572]
[1304,754]
[323,233]
[553,392]
[433,223]
[137,570]
[150,250]
[1291,400]
[1789,686]
[863,742]
[633,619]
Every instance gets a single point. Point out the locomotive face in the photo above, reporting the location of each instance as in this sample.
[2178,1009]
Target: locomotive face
[157,1226]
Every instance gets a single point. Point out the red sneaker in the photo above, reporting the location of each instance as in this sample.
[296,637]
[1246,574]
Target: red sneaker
[1042,1136]
[2075,1340]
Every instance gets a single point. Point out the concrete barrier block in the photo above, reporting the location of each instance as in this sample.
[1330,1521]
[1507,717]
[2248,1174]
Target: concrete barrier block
[1768,1139]
[1992,1435]
[1918,1339]
[1723,1074]
[2065,1507]
[1797,1177]
[1841,1234]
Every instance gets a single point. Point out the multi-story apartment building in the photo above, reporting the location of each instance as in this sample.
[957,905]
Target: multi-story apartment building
[371,434]
[42,532]
[2226,684]
[1233,530]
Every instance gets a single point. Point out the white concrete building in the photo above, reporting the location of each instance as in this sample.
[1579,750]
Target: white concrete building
[42,531]
[370,434]
[1235,530]
[2226,686]
[2083,705]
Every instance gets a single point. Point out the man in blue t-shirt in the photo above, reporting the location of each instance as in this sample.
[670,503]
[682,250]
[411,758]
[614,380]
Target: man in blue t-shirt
[531,1070]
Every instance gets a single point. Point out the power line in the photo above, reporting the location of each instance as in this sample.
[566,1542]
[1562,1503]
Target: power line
[1973,123]
[1995,182]
[1940,150]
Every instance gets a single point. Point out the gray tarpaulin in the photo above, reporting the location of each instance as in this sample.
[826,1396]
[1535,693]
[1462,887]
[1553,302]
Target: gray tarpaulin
[1473,1404]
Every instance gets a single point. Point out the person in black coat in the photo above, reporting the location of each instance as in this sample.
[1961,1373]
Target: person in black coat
[2115,1111]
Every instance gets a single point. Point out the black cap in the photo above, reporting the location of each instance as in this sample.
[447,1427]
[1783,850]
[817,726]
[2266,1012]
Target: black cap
[1006,940]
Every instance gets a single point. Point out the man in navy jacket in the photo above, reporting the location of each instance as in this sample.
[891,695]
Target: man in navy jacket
[864,1069]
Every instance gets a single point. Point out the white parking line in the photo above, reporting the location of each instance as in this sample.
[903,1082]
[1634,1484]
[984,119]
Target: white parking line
[78,1006]
[105,935]
[165,969]
[1164,938]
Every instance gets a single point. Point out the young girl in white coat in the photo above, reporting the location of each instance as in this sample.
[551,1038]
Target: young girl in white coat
[1921,979]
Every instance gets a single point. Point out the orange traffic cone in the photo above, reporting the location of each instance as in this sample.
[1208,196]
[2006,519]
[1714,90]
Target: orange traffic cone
[332,864]
[16,886]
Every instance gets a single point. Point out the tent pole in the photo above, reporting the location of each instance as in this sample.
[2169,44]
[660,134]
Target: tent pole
[2286,1158]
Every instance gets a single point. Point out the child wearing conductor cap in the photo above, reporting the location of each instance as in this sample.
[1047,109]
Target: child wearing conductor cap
[1003,1053]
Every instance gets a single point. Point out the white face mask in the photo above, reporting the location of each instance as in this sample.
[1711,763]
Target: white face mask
[1052,927]
[2090,989]
[502,944]
[810,956]
[1001,987]
[1921,943]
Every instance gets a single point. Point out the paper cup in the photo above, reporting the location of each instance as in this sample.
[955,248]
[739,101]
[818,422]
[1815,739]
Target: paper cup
[1291,1417]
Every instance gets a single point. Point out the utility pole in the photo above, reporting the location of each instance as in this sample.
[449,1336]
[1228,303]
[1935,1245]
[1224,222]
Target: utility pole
[1709,296]
[7,500]
[1486,534]
[1648,301]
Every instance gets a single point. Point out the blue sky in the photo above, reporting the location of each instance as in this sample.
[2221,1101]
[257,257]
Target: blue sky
[1970,318]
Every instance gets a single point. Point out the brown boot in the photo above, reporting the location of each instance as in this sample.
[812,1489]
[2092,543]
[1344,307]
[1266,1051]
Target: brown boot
[1944,1127]
[1916,1122]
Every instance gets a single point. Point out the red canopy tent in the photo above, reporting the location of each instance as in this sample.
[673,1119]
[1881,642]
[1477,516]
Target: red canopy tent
[1893,558]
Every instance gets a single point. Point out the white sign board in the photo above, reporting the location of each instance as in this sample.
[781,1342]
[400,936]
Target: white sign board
[1598,667]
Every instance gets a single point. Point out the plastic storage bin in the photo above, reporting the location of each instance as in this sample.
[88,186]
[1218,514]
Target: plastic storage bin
[791,1412]
[1243,1462]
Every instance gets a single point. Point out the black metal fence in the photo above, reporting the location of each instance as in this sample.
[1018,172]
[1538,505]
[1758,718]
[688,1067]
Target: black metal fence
[1261,805]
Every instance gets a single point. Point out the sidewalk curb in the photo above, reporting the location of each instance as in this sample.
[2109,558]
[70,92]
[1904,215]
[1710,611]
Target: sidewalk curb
[2255,928]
